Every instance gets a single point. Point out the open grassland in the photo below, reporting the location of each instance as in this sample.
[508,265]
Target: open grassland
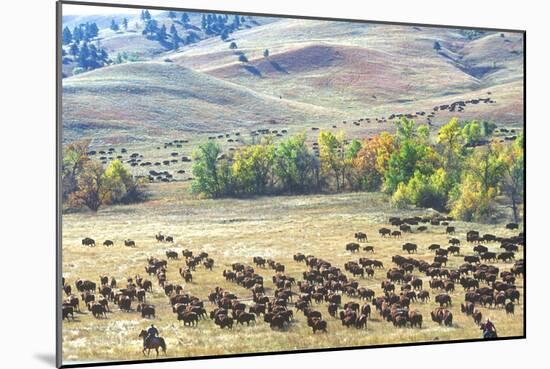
[235,230]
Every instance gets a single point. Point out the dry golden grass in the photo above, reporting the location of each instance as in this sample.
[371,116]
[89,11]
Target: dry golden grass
[234,231]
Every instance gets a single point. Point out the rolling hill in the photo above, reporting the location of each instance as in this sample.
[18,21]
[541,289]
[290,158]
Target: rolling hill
[152,98]
[316,73]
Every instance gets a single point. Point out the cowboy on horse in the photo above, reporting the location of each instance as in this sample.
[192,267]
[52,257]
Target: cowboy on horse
[151,340]
[489,330]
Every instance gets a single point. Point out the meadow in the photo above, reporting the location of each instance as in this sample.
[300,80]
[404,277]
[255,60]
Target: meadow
[235,230]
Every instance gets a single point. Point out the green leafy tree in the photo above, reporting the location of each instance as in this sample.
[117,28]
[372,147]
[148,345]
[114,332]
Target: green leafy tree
[252,168]
[513,181]
[403,163]
[331,155]
[472,132]
[211,180]
[295,166]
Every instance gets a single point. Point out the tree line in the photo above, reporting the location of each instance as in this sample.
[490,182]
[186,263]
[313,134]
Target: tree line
[87,183]
[458,169]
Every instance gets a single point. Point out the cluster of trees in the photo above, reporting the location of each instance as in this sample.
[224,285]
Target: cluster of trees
[87,183]
[221,25]
[115,27]
[83,32]
[85,54]
[440,170]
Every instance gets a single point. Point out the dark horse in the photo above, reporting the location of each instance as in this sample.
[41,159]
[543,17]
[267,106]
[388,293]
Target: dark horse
[487,334]
[152,343]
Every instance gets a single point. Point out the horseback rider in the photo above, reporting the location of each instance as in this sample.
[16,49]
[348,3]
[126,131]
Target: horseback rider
[489,330]
[151,333]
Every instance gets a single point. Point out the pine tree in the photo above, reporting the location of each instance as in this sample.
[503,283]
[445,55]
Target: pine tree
[77,34]
[74,50]
[67,36]
[146,15]
[161,35]
[114,25]
[266,53]
[125,24]
[93,30]
[184,18]
[171,15]
[83,56]
[175,37]
[236,21]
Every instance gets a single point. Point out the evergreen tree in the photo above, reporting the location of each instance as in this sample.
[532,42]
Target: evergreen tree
[171,15]
[184,18]
[236,21]
[161,35]
[114,25]
[266,53]
[74,50]
[146,15]
[233,45]
[67,36]
[175,37]
[93,30]
[151,27]
[125,24]
[77,34]
[83,56]
[437,46]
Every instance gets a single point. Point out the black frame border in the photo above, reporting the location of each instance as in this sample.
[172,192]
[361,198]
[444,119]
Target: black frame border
[58,215]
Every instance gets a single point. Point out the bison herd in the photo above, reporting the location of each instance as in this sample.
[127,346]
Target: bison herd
[412,279]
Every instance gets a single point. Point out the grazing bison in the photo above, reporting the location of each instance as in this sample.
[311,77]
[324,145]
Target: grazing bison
[352,247]
[147,311]
[108,243]
[88,242]
[471,259]
[368,249]
[477,316]
[361,237]
[506,256]
[67,310]
[443,299]
[442,316]
[384,232]
[509,307]
[454,250]
[450,230]
[434,247]
[129,243]
[409,247]
[171,254]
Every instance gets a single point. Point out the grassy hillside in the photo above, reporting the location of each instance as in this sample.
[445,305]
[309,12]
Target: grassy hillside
[359,67]
[151,98]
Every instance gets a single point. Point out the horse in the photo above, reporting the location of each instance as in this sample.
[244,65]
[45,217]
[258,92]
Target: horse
[153,343]
[486,333]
